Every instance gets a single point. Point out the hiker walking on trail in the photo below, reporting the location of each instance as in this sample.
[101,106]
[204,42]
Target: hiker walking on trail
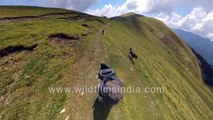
[109,88]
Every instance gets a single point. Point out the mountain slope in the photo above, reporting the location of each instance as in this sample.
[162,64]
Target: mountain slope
[20,11]
[207,70]
[70,48]
[202,45]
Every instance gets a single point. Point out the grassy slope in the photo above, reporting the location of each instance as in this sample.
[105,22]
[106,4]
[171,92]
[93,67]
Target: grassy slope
[165,67]
[29,74]
[17,11]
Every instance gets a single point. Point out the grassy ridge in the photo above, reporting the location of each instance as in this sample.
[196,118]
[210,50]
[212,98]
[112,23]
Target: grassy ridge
[26,76]
[164,65]
[18,11]
[163,62]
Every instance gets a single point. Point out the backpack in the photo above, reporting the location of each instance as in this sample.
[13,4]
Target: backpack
[110,88]
[105,71]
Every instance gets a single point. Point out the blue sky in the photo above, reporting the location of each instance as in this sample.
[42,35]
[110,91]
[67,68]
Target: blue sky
[101,4]
[183,10]
[191,15]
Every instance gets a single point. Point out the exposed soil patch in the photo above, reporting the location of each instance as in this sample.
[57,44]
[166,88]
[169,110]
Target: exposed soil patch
[81,17]
[166,39]
[84,35]
[87,26]
[170,40]
[64,36]
[61,38]
[18,48]
[86,18]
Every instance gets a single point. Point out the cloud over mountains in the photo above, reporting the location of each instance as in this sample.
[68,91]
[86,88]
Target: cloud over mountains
[199,20]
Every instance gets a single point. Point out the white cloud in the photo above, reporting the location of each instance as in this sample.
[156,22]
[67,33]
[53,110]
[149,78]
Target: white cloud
[150,6]
[199,21]
[138,6]
[210,35]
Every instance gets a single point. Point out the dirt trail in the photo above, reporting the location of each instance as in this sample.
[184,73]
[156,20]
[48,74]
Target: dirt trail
[83,73]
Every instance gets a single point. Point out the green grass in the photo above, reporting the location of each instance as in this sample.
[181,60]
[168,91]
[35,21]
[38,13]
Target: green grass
[25,76]
[17,11]
[182,98]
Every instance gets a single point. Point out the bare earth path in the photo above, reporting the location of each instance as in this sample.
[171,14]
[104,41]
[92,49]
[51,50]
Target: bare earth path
[83,74]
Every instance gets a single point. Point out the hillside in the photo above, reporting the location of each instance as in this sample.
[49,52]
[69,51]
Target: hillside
[203,46]
[46,50]
[20,11]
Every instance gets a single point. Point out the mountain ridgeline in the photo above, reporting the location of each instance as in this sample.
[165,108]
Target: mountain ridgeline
[201,45]
[45,48]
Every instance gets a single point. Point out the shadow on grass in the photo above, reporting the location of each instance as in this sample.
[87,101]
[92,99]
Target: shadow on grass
[101,110]
[131,59]
[207,69]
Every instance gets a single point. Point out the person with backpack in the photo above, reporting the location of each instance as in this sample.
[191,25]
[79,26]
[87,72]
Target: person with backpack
[110,86]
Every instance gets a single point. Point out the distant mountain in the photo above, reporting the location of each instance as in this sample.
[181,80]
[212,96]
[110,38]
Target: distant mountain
[200,44]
